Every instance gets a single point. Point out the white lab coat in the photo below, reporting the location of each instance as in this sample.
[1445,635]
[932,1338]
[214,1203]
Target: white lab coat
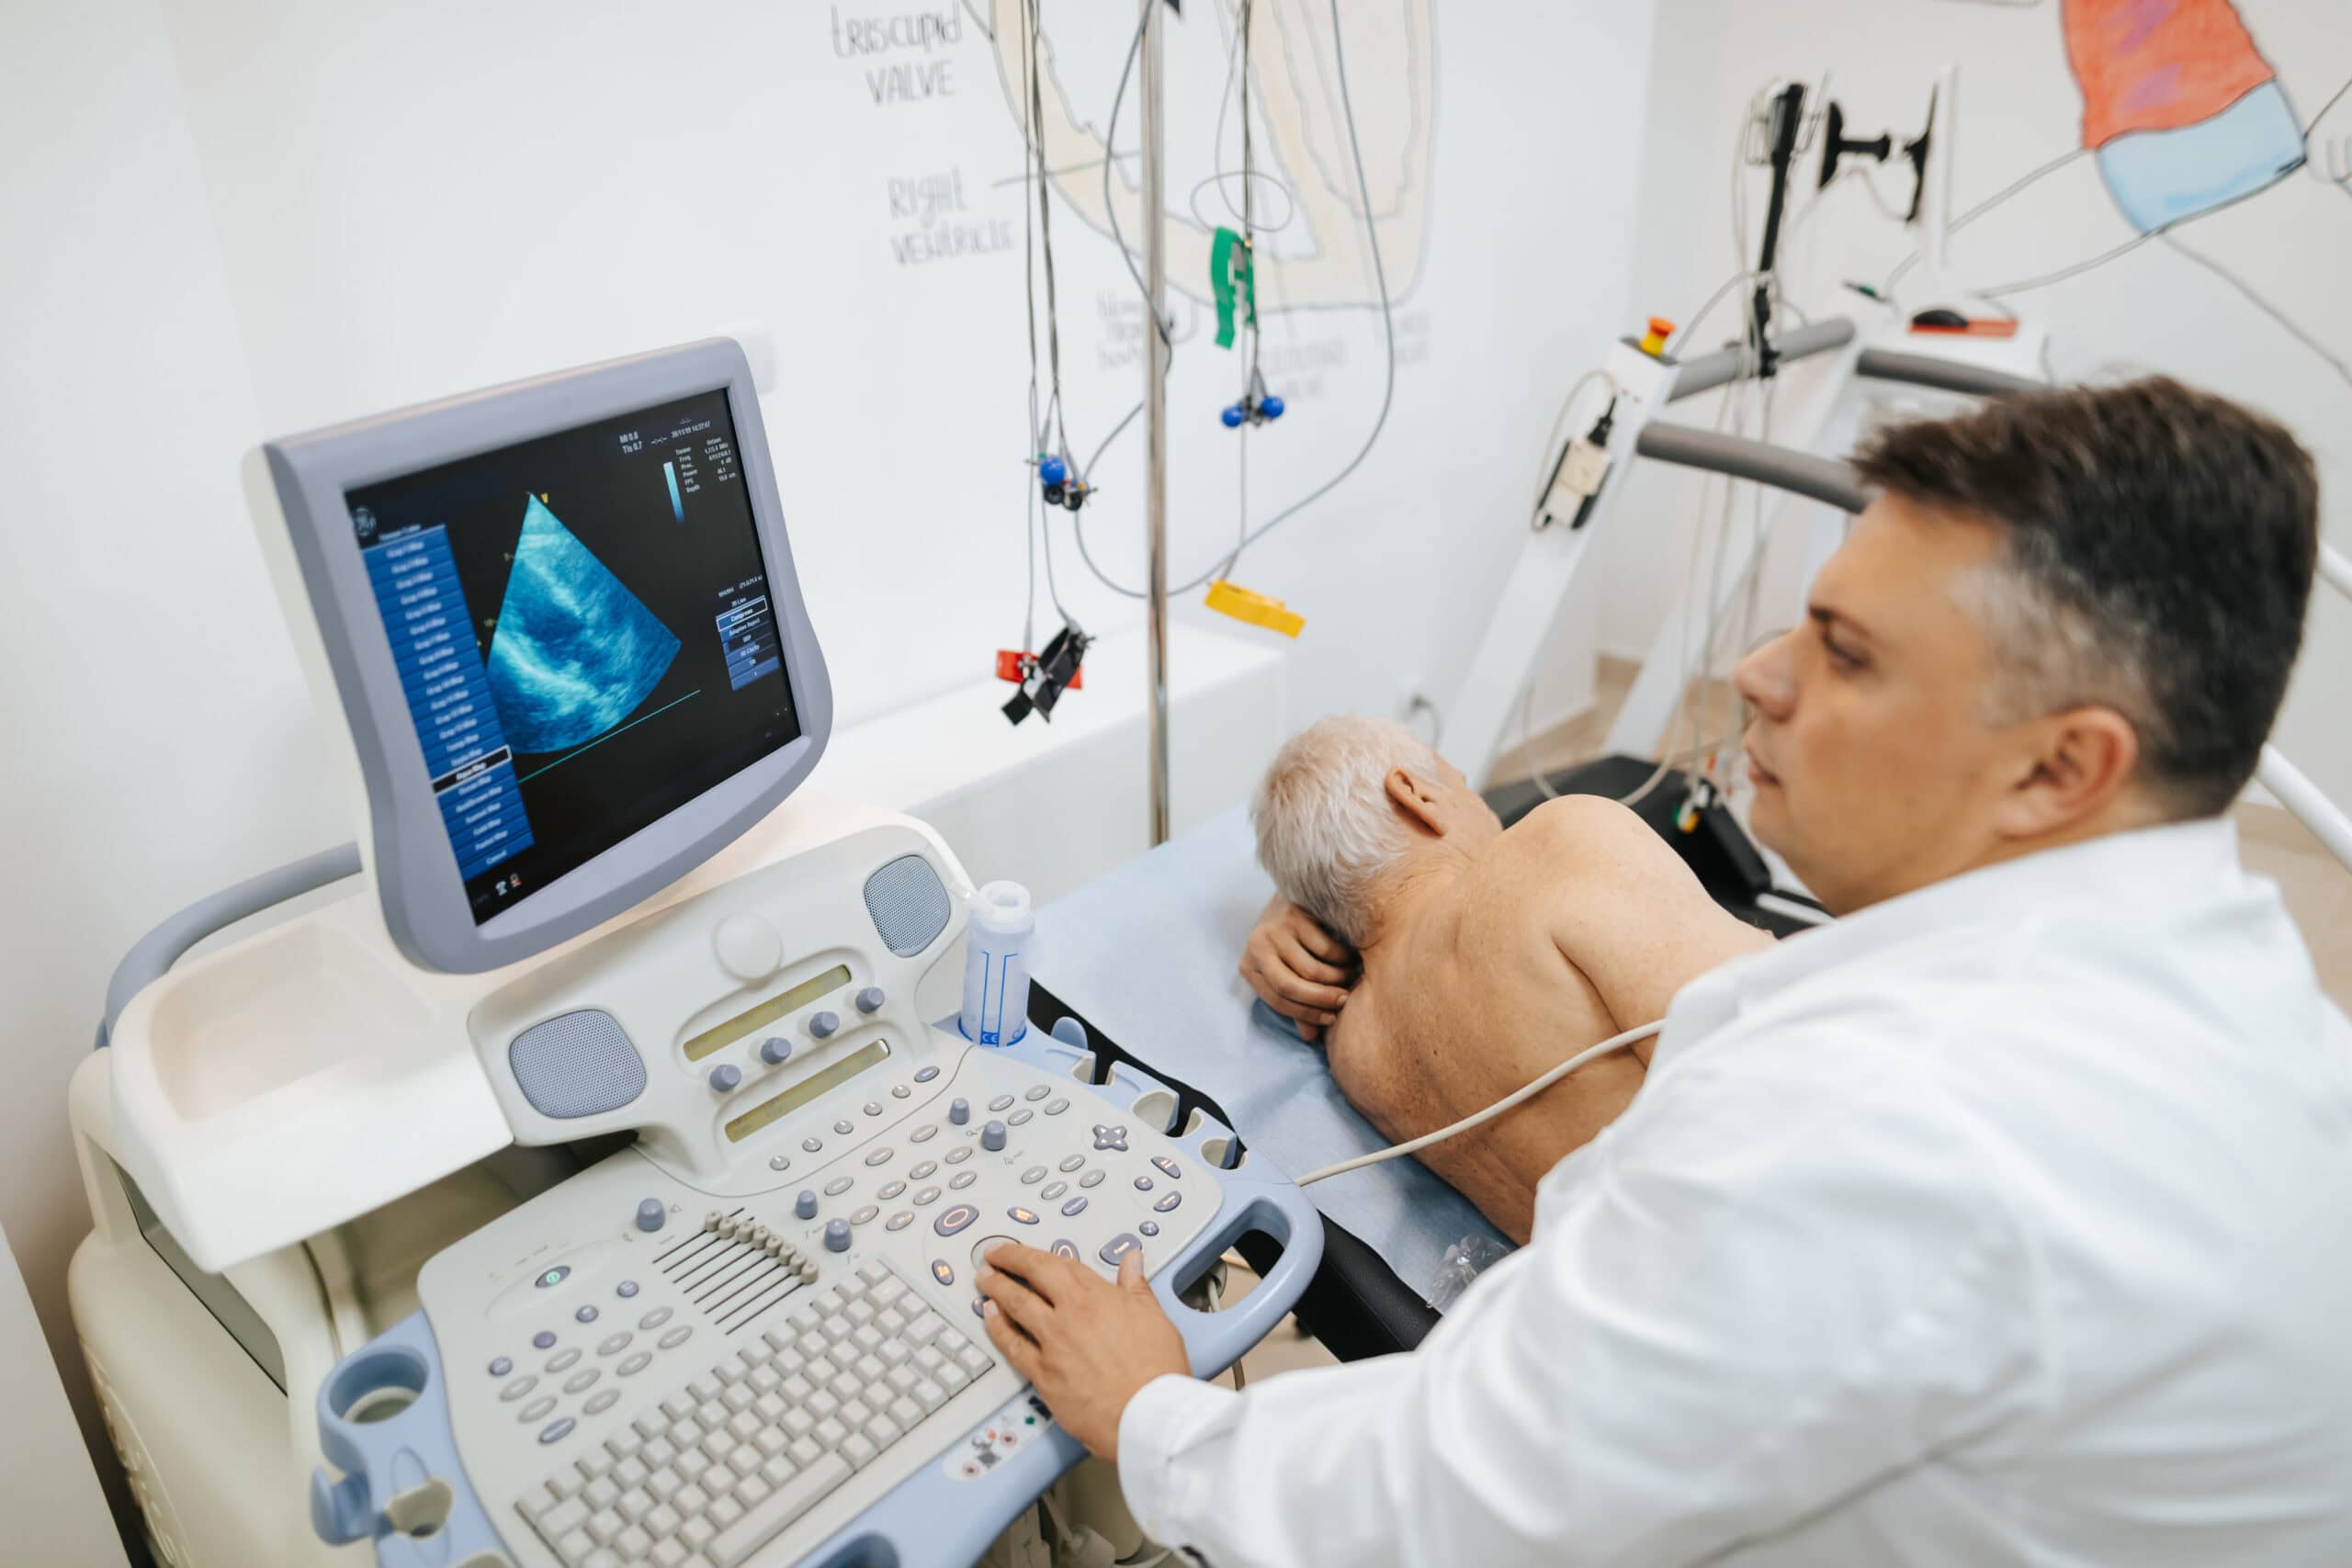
[2007,1221]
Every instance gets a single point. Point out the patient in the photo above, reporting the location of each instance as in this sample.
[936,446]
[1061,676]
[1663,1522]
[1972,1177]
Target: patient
[1487,955]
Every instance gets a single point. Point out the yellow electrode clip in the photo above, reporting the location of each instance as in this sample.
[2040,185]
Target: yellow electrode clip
[1242,605]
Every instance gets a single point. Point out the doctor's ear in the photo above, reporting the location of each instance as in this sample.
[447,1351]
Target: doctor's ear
[2075,764]
[1417,799]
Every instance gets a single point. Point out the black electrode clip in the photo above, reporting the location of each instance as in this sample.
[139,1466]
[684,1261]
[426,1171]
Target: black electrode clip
[1049,675]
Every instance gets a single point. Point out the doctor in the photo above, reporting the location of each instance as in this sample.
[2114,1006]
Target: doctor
[2007,1219]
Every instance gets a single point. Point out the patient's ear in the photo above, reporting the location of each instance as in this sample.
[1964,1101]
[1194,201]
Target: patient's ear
[1417,799]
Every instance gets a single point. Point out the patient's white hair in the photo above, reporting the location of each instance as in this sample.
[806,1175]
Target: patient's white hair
[1327,829]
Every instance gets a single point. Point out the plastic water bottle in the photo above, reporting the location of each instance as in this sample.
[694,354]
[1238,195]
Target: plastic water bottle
[996,972]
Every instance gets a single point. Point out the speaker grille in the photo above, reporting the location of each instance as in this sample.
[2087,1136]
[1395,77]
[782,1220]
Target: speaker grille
[578,1064]
[909,904]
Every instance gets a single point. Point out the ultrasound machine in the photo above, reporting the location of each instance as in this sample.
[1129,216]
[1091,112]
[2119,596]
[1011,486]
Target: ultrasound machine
[586,1176]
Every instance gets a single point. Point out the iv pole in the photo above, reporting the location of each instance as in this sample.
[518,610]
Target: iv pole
[1155,415]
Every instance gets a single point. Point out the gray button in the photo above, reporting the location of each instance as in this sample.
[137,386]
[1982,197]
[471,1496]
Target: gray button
[625,1288]
[614,1344]
[581,1382]
[1058,1107]
[959,1154]
[924,1134]
[1021,1117]
[865,1216]
[845,1126]
[724,1077]
[650,1214]
[600,1403]
[1034,1175]
[962,1179]
[899,1221]
[1092,1178]
[869,1000]
[781,1162]
[999,1102]
[900,1091]
[1118,1246]
[1052,1190]
[634,1363]
[1074,1208]
[775,1050]
[1166,1200]
[880,1157]
[953,1220]
[563,1360]
[555,1276]
[1026,1216]
[810,1145]
[654,1319]
[872,1108]
[518,1388]
[926,1196]
[1038,1091]
[557,1430]
[959,1112]
[1143,1183]
[674,1338]
[1065,1247]
[502,1366]
[1150,1227]
[805,1206]
[539,1409]
[925,1075]
[1168,1168]
[839,1185]
[992,1137]
[1071,1162]
[822,1025]
[836,1236]
[587,1315]
[922,1170]
[543,1338]
[890,1190]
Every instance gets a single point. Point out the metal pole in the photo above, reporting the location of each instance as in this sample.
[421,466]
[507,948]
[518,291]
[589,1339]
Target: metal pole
[1154,414]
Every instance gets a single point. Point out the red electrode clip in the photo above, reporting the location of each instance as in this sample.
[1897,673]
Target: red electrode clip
[1013,666]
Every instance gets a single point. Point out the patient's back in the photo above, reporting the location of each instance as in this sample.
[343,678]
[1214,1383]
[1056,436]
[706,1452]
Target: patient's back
[1576,924]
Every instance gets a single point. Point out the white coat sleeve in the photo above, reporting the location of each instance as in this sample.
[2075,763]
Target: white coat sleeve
[1766,1286]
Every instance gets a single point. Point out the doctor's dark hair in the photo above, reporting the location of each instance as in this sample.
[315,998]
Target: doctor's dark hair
[2159,544]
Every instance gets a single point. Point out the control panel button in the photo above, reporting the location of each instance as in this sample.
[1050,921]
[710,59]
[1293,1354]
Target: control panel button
[872,1108]
[654,1319]
[724,1077]
[581,1381]
[650,1214]
[537,1410]
[775,1050]
[674,1338]
[518,1388]
[552,1277]
[992,1136]
[1056,1107]
[845,1126]
[1071,1162]
[1092,1178]
[836,1236]
[962,1179]
[780,1162]
[924,1075]
[1118,1246]
[959,1112]
[899,1221]
[803,1207]
[869,1000]
[1022,1216]
[1150,1227]
[924,1134]
[866,1215]
[1168,1168]
[1143,1183]
[600,1403]
[557,1430]
[1074,1207]
[543,1338]
[824,1025]
[880,1157]
[1166,1200]
[1053,1189]
[942,1271]
[501,1367]
[1021,1118]
[614,1344]
[634,1363]
[922,1169]
[1034,1175]
[1038,1091]
[839,1185]
[959,1154]
[625,1288]
[811,1145]
[925,1197]
[1065,1247]
[890,1190]
[748,946]
[1000,1102]
[563,1360]
[901,1092]
[952,1220]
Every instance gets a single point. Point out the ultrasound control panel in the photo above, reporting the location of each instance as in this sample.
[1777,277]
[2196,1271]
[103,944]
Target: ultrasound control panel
[753,1335]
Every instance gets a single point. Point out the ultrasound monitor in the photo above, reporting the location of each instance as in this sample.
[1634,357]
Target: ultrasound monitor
[562,623]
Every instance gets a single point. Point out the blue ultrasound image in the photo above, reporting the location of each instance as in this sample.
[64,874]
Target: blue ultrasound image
[575,652]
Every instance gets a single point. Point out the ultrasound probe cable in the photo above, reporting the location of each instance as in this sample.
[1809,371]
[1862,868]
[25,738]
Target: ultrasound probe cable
[1480,1118]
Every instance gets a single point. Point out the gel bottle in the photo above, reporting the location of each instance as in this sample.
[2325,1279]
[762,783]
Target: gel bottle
[996,972]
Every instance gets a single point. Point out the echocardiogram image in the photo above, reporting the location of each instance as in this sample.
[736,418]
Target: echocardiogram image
[575,651]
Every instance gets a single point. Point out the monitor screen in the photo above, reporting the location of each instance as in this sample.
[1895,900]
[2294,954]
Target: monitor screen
[583,633]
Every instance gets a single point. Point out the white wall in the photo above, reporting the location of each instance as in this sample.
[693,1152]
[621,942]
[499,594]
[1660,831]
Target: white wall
[2151,309]
[233,219]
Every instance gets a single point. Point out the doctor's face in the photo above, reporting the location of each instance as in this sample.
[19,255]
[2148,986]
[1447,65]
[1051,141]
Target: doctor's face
[1876,771]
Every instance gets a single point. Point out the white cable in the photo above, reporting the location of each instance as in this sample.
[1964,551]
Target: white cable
[1479,1119]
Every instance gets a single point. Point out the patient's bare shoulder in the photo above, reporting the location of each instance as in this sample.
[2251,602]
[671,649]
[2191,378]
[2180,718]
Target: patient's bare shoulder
[1624,907]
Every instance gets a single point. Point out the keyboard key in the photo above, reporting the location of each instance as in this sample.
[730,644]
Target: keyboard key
[929,1394]
[602,1525]
[668,1554]
[725,1512]
[860,1451]
[906,1412]
[696,1533]
[804,1451]
[634,1504]
[777,1469]
[740,1538]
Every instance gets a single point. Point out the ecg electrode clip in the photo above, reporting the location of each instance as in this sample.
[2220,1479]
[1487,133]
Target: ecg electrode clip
[1043,677]
[1062,488]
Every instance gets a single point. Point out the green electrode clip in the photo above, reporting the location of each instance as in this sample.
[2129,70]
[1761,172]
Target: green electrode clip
[1233,282]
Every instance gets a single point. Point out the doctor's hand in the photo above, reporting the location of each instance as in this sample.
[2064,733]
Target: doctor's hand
[1090,1345]
[1297,969]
